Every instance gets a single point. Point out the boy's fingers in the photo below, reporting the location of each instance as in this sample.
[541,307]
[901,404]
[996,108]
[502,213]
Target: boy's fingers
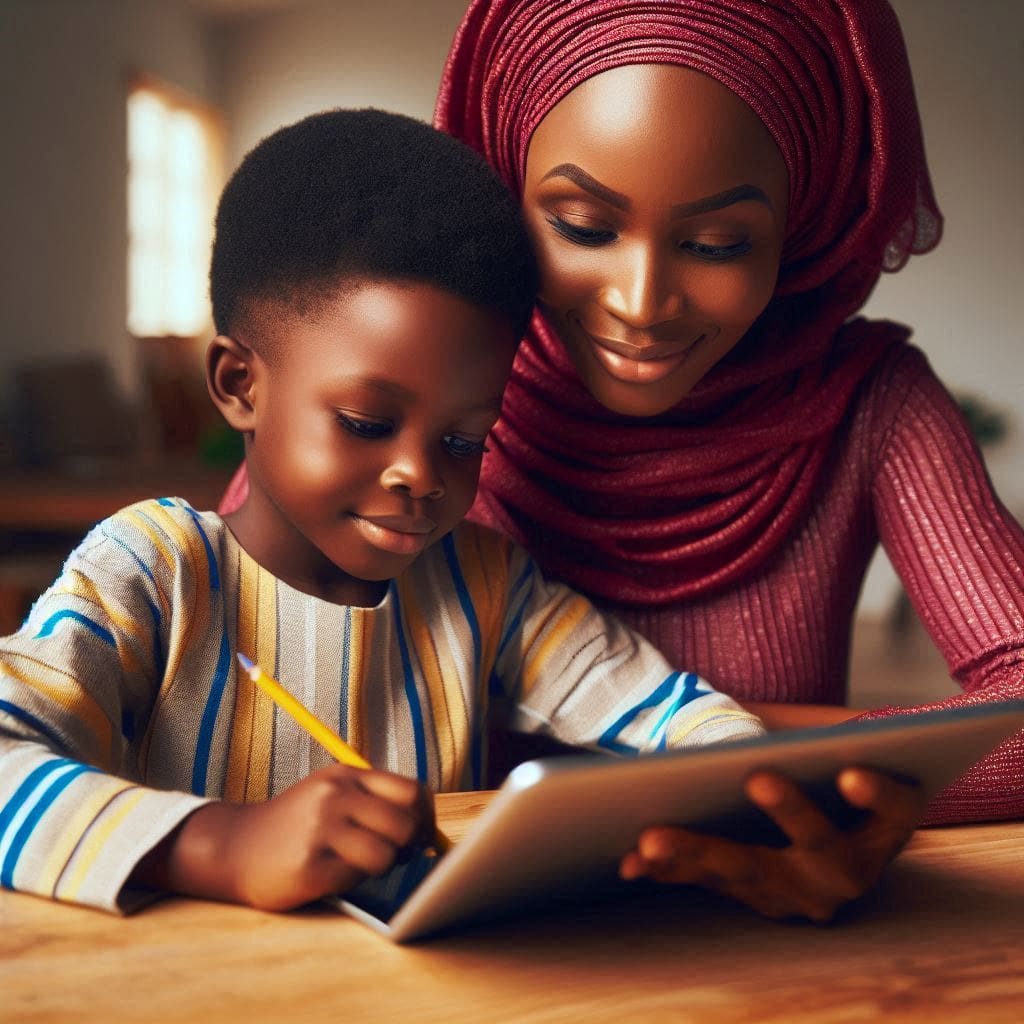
[395,788]
[395,823]
[354,847]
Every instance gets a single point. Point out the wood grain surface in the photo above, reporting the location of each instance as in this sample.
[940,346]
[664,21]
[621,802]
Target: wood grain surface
[941,939]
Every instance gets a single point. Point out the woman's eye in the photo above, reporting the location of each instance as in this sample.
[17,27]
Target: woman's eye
[364,428]
[581,235]
[716,253]
[463,448]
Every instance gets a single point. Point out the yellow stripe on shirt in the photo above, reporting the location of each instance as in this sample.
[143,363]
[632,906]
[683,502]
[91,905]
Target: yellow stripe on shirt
[566,617]
[73,697]
[71,833]
[93,844]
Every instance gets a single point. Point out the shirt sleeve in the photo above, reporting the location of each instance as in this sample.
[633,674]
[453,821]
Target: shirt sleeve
[960,556]
[582,677]
[77,684]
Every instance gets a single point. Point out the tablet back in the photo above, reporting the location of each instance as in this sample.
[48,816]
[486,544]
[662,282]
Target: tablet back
[560,826]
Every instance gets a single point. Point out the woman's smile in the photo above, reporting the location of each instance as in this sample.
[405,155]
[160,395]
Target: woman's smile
[657,254]
[644,364]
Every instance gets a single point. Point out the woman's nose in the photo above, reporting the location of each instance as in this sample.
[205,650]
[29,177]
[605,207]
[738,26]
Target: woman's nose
[413,472]
[643,288]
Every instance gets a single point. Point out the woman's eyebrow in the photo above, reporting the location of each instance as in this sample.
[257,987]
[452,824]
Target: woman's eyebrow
[738,194]
[578,176]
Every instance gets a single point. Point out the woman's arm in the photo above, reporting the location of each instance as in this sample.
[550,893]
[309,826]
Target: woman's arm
[798,716]
[960,555]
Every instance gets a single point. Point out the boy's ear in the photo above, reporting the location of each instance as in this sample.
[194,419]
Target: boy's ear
[230,379]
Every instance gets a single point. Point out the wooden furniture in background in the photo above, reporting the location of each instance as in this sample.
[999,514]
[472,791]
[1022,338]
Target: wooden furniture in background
[942,938]
[43,515]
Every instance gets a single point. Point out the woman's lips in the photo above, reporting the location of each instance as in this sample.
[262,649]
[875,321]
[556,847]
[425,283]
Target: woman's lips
[639,365]
[401,535]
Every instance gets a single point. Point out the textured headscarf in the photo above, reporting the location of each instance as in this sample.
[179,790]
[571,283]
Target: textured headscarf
[653,511]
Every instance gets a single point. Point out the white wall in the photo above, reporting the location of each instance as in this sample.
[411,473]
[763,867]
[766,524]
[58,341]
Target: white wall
[316,54]
[63,67]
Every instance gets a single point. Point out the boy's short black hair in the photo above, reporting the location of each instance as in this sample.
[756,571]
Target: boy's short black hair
[366,194]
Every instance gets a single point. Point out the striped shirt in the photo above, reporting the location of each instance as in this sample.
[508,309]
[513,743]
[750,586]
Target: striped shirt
[122,708]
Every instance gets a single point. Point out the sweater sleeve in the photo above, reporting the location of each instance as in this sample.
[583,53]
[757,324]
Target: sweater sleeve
[960,555]
[77,684]
[582,677]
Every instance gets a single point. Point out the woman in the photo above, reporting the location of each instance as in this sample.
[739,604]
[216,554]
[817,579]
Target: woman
[696,432]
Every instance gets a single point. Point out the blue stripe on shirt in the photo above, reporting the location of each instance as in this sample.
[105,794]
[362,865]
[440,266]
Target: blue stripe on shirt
[202,759]
[32,819]
[688,693]
[211,560]
[30,720]
[448,546]
[66,613]
[415,711]
[25,790]
[661,693]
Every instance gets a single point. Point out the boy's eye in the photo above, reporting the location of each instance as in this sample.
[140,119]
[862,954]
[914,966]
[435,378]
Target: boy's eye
[582,235]
[463,447]
[363,427]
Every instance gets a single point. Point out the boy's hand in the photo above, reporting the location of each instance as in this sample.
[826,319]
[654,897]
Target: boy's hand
[823,867]
[323,835]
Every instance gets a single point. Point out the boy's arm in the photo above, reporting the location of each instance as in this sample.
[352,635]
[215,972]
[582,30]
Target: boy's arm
[583,677]
[77,683]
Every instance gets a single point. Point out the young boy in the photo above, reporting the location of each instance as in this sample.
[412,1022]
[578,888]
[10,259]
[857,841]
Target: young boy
[370,279]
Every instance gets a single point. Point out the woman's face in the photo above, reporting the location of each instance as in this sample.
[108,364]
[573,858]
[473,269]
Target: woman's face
[657,201]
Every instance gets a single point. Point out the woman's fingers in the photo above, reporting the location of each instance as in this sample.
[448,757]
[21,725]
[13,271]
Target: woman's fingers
[783,801]
[823,868]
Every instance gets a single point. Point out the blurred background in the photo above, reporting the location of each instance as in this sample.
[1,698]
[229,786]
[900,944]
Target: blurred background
[122,118]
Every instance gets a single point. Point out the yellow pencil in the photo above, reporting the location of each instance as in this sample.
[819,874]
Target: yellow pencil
[325,736]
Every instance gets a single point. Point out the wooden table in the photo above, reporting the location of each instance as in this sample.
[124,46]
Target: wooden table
[941,939]
[49,501]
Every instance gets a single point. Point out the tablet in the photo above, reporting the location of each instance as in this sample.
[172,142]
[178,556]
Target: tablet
[559,826]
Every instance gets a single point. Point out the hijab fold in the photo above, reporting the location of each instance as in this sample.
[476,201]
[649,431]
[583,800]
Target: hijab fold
[654,511]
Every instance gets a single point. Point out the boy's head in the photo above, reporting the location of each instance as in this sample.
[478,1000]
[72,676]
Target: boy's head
[370,280]
[351,195]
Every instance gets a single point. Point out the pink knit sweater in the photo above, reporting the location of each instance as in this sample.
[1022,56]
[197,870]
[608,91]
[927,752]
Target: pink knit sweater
[906,471]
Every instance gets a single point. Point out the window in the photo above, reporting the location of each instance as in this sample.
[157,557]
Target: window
[174,174]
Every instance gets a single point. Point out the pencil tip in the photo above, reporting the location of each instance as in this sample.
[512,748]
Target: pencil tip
[246,663]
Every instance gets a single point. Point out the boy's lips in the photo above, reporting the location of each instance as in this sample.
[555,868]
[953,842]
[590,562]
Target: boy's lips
[401,535]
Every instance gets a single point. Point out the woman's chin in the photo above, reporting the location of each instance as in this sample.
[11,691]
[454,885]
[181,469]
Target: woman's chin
[640,401]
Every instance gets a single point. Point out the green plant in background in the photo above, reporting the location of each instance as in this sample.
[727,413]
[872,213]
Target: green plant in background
[221,446]
[988,425]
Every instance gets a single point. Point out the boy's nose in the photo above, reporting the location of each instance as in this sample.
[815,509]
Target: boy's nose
[414,475]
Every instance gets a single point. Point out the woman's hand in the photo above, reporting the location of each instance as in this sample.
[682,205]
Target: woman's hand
[323,835]
[823,867]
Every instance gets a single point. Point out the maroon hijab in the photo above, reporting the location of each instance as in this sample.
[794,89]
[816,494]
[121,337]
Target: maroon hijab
[653,511]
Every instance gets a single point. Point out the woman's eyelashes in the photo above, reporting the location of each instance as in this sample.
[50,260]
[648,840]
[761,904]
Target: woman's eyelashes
[716,253]
[374,429]
[593,237]
[582,235]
